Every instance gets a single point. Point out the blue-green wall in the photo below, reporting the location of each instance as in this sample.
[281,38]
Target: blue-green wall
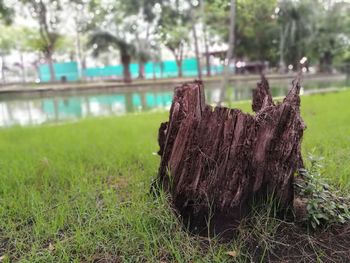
[67,69]
[164,69]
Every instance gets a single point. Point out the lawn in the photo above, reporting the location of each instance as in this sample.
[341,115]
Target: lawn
[79,192]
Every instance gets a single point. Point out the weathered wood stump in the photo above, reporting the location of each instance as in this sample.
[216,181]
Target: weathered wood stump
[216,161]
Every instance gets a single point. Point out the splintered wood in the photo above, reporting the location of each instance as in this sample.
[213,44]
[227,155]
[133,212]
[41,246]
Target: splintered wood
[215,162]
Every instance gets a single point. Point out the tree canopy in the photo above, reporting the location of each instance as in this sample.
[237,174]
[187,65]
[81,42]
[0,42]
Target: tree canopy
[280,32]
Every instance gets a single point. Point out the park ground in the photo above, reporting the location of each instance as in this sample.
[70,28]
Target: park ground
[79,192]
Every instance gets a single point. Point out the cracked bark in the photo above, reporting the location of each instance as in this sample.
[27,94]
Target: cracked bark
[216,161]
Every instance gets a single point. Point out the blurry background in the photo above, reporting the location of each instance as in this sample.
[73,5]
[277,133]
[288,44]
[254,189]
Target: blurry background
[97,45]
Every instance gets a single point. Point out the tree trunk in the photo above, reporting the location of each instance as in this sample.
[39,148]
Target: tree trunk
[126,70]
[23,68]
[79,56]
[154,70]
[216,162]
[161,65]
[207,55]
[205,38]
[230,52]
[141,70]
[326,62]
[51,67]
[179,67]
[3,65]
[283,38]
[178,55]
[196,48]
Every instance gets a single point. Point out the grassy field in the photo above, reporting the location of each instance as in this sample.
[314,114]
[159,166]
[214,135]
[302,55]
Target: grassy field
[78,192]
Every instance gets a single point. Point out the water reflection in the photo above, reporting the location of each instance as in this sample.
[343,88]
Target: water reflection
[55,109]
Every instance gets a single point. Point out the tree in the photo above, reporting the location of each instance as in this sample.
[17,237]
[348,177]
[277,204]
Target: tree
[142,47]
[205,37]
[156,58]
[20,39]
[142,55]
[173,27]
[132,21]
[330,37]
[283,32]
[48,15]
[21,44]
[106,31]
[230,52]
[296,26]
[81,19]
[314,29]
[129,24]
[5,48]
[101,41]
[194,22]
[5,42]
[255,31]
[141,16]
[6,13]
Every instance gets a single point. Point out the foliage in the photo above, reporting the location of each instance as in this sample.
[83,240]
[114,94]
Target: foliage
[173,27]
[294,22]
[5,40]
[48,16]
[256,30]
[26,39]
[34,42]
[324,204]
[102,41]
[145,7]
[330,37]
[126,25]
[281,32]
[312,28]
[6,13]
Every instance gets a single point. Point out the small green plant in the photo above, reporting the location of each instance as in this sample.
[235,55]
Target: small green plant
[324,204]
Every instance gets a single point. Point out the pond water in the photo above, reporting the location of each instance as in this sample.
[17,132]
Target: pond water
[38,110]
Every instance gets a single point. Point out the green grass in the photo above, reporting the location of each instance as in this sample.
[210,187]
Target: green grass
[78,192]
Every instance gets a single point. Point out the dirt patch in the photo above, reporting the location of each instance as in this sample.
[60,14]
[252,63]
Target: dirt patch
[271,240]
[329,245]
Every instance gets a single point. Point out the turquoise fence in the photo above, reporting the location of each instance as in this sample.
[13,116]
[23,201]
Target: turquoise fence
[164,69]
[68,70]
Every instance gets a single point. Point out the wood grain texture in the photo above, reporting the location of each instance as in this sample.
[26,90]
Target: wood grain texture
[216,161]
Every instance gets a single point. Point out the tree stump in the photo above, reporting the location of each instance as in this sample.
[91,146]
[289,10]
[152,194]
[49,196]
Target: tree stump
[216,161]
